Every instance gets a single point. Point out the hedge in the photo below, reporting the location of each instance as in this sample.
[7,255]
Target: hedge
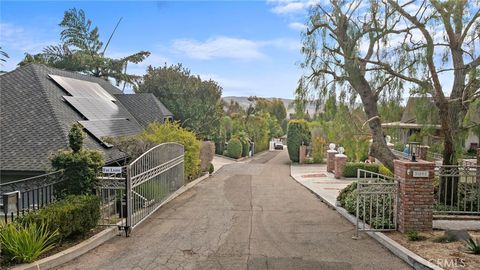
[74,215]
[245,148]
[352,167]
[298,133]
[234,148]
[173,132]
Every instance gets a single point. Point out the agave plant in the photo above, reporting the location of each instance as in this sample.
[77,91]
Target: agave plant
[473,245]
[25,243]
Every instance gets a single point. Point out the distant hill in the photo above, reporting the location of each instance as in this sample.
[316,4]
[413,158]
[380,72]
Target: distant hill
[244,102]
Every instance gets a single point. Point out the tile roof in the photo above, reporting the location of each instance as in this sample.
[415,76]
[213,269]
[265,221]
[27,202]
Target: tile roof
[145,107]
[35,118]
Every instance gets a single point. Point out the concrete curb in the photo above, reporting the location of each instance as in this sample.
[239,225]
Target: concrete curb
[94,241]
[398,250]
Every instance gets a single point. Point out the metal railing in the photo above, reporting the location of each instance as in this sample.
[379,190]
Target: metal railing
[28,194]
[377,199]
[457,189]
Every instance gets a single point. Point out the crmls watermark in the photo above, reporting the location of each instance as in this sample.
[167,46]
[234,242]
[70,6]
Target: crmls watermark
[449,262]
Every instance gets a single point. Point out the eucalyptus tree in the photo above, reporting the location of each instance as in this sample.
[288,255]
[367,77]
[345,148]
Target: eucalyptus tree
[82,50]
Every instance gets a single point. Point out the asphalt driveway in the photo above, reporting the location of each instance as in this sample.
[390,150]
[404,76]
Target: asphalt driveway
[248,216]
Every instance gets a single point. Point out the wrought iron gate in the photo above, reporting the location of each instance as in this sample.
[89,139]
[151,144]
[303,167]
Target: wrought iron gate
[377,197]
[130,196]
[152,178]
[457,189]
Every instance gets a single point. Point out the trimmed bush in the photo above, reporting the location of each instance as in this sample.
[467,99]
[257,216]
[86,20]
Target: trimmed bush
[245,147]
[234,148]
[385,171]
[298,133]
[352,167]
[173,132]
[207,152]
[25,243]
[80,165]
[72,216]
[211,169]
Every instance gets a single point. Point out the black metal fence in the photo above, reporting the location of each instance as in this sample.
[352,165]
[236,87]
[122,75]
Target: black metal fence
[29,194]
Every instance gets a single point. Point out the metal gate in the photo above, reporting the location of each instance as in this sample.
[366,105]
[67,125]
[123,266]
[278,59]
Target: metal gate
[377,198]
[152,178]
[128,196]
[457,189]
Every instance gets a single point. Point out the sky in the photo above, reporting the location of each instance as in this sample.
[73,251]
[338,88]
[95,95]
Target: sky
[249,47]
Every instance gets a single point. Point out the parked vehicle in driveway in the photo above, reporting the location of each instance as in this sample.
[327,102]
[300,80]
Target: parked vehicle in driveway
[278,146]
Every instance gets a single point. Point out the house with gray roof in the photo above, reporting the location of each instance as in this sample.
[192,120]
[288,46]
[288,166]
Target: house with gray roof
[39,104]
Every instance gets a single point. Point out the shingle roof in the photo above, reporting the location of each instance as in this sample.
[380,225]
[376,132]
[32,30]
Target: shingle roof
[420,105]
[145,107]
[35,119]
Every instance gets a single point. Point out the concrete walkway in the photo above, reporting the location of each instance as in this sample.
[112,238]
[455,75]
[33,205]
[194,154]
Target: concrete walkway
[249,215]
[316,178]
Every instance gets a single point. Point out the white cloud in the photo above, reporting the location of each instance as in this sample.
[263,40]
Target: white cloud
[17,38]
[297,26]
[291,6]
[219,47]
[230,48]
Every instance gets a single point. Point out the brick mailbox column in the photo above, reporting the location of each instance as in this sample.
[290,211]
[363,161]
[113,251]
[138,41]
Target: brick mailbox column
[415,204]
[302,154]
[340,162]
[331,160]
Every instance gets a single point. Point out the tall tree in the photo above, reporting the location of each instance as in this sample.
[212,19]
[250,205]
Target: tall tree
[194,102]
[331,45]
[454,53]
[82,50]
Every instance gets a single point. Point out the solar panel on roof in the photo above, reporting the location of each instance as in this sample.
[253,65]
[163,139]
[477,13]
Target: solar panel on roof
[94,108]
[111,128]
[80,88]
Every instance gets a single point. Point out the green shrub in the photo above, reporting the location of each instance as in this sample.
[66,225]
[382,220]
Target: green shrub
[352,167]
[24,243]
[379,217]
[245,148]
[414,235]
[211,169]
[385,171]
[72,216]
[473,246]
[344,192]
[298,133]
[173,132]
[80,166]
[234,148]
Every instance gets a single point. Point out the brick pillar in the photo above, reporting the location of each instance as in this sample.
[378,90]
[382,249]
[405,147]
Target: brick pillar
[422,151]
[302,154]
[331,160]
[415,209]
[340,162]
